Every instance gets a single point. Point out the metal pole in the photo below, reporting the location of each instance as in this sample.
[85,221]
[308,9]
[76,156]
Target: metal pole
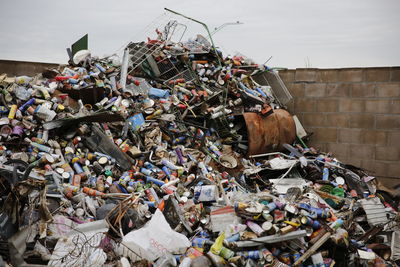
[204,25]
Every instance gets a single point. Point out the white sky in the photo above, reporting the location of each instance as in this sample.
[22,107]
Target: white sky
[339,33]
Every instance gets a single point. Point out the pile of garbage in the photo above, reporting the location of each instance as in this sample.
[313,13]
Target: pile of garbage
[175,156]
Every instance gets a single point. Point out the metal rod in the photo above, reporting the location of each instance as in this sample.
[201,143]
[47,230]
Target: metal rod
[270,154]
[217,29]
[204,25]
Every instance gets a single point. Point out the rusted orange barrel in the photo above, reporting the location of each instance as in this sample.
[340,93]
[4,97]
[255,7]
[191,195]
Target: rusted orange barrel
[268,133]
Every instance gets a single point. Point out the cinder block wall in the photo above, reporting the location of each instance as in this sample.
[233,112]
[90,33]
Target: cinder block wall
[354,113]
[16,68]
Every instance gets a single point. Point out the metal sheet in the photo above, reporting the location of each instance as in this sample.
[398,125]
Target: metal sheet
[271,239]
[104,116]
[376,213]
[100,142]
[268,134]
[395,246]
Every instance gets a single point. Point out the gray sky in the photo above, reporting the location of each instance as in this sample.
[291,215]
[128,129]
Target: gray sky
[339,33]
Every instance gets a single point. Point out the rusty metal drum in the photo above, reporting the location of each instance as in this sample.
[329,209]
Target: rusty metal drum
[269,133]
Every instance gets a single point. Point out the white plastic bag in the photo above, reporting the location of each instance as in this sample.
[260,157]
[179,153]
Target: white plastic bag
[81,246]
[153,240]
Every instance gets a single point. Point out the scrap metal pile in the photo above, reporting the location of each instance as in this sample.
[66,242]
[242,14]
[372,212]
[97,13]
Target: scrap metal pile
[175,156]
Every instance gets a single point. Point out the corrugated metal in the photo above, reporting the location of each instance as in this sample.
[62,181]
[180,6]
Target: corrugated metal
[395,246]
[375,211]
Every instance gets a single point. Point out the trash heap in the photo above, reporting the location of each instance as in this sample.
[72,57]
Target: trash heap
[149,161]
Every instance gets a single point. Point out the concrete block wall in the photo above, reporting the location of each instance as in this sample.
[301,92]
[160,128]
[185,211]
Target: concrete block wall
[354,113]
[16,68]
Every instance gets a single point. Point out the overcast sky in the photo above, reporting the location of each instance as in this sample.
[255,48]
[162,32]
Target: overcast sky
[296,33]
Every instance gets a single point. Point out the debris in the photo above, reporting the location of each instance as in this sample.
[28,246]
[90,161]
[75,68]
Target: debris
[177,156]
[153,240]
[81,246]
[376,213]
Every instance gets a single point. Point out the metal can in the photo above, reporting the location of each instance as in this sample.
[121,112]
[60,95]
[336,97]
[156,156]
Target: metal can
[76,180]
[66,176]
[233,238]
[146,171]
[271,206]
[3,110]
[279,216]
[268,228]
[98,169]
[320,213]
[12,112]
[150,179]
[255,228]
[91,156]
[285,257]
[92,192]
[200,242]
[268,217]
[287,229]
[204,234]
[149,195]
[86,171]
[78,168]
[309,222]
[169,164]
[226,253]
[251,254]
[70,190]
[337,224]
